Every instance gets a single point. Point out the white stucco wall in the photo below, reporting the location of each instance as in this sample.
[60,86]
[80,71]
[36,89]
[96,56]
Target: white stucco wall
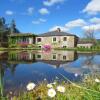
[88,45]
[30,40]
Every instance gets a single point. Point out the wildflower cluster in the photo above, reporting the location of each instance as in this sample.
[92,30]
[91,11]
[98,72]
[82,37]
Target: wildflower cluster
[88,89]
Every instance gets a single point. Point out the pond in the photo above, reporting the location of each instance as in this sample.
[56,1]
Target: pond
[18,68]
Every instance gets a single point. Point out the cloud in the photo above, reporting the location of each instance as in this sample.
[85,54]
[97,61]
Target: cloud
[95,20]
[9,12]
[93,27]
[30,10]
[69,25]
[75,23]
[93,7]
[64,29]
[42,20]
[93,24]
[39,21]
[44,11]
[52,2]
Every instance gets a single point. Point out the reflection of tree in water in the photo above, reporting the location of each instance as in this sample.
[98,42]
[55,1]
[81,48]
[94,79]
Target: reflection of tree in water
[3,67]
[13,68]
[1,80]
[89,64]
[89,60]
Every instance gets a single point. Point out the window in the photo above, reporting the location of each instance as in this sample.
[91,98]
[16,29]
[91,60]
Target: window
[64,46]
[64,57]
[38,39]
[54,39]
[65,39]
[38,56]
[54,57]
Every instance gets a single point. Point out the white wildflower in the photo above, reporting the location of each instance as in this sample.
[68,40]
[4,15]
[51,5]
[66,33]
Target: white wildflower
[51,93]
[97,80]
[61,89]
[30,86]
[54,83]
[49,85]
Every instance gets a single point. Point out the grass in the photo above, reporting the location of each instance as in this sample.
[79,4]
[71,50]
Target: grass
[88,89]
[4,49]
[93,49]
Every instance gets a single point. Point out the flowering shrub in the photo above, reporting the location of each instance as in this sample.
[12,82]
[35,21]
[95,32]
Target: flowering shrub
[46,47]
[23,44]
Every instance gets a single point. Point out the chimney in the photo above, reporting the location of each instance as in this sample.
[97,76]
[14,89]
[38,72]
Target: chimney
[58,30]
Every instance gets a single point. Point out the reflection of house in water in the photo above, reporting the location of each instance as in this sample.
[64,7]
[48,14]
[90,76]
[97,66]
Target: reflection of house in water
[56,58]
[21,56]
[3,55]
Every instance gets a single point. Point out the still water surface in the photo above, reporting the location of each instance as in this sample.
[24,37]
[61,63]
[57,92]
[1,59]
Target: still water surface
[18,68]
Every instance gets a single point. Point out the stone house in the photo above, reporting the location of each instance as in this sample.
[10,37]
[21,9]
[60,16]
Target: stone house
[57,39]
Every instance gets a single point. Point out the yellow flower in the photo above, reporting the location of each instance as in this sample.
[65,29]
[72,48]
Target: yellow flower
[51,93]
[30,86]
[49,85]
[61,89]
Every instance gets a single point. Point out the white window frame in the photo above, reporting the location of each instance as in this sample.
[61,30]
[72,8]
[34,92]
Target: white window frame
[55,55]
[53,38]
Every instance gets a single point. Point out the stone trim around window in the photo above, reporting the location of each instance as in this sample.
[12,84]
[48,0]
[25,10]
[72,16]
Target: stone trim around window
[39,40]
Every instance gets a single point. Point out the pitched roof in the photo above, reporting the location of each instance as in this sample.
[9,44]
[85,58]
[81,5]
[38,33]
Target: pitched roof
[85,41]
[21,34]
[55,33]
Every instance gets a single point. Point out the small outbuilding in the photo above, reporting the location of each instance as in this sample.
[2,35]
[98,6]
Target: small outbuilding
[85,44]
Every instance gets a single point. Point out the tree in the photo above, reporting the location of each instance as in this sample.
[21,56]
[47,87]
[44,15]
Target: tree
[90,34]
[2,22]
[4,31]
[13,28]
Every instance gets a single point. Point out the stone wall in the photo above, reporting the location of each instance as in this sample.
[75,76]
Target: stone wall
[70,42]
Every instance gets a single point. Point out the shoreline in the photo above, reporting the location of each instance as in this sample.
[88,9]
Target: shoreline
[65,49]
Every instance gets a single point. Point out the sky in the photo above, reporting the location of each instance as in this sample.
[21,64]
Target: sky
[40,16]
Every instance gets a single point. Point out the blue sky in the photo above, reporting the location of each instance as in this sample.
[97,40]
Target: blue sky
[39,16]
